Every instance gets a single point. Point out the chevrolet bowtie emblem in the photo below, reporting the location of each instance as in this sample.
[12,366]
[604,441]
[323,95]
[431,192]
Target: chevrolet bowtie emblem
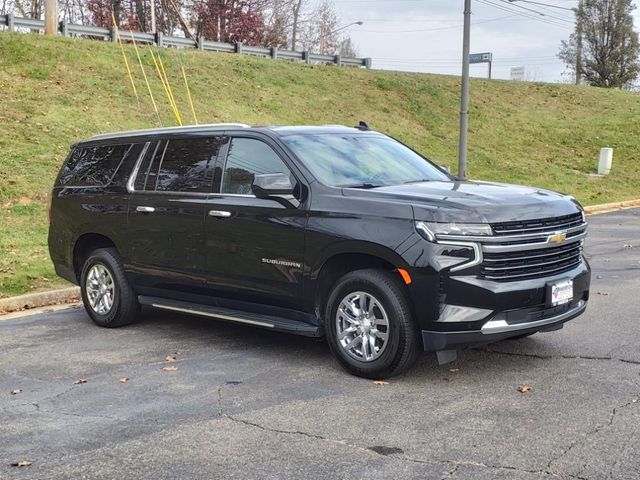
[557,238]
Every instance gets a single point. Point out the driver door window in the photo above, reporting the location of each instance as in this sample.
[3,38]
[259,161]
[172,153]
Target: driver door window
[248,157]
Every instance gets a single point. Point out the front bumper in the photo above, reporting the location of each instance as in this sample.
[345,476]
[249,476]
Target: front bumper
[498,329]
[502,309]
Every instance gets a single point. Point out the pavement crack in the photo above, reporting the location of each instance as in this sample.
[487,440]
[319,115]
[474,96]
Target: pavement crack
[456,464]
[562,357]
[248,423]
[598,428]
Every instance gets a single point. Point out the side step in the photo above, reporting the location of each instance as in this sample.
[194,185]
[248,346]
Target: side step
[238,316]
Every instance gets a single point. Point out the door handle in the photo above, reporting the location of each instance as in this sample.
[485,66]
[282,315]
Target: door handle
[219,214]
[145,209]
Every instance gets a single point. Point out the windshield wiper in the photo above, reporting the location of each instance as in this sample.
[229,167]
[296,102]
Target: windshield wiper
[365,186]
[417,181]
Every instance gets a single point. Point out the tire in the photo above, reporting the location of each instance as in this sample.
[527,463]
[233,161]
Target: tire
[387,357]
[123,306]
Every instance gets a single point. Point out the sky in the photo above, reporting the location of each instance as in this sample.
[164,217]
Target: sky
[426,35]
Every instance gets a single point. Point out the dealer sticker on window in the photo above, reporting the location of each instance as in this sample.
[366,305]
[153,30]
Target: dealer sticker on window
[561,292]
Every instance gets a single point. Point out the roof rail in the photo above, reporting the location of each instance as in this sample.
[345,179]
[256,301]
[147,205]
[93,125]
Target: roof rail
[241,125]
[185,128]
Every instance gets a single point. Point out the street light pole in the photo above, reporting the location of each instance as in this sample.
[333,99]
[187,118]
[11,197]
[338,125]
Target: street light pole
[579,28]
[464,98]
[333,32]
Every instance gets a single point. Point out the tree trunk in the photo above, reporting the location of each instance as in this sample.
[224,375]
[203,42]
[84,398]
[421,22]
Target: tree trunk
[296,17]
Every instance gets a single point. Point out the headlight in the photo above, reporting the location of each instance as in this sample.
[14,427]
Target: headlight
[433,230]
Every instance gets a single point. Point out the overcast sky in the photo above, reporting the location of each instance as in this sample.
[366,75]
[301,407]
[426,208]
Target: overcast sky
[426,35]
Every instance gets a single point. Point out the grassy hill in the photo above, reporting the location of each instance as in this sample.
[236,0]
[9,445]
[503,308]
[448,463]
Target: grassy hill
[57,91]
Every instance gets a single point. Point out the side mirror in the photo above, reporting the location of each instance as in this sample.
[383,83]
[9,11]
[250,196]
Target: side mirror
[271,184]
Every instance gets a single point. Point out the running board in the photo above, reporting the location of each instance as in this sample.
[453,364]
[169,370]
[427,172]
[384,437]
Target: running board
[256,319]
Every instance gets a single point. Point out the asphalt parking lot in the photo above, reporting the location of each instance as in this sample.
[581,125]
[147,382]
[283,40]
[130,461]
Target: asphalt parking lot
[251,404]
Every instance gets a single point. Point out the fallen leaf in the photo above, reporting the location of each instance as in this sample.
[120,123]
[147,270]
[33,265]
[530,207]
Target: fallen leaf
[380,382]
[454,370]
[124,380]
[524,389]
[82,381]
[170,358]
[22,463]
[24,201]
[16,391]
[170,369]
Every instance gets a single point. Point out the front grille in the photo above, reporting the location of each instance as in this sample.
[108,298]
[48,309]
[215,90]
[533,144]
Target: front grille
[536,226]
[526,249]
[526,264]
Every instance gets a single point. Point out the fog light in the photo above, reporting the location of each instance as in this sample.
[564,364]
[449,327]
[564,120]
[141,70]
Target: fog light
[457,313]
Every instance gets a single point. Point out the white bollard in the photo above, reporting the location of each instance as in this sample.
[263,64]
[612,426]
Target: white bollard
[606,159]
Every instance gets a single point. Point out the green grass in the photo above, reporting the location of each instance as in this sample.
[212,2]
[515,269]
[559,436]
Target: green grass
[57,91]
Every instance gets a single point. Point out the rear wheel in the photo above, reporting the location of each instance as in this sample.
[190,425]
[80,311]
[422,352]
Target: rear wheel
[369,325]
[106,294]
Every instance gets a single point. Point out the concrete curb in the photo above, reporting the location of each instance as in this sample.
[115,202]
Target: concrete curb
[39,299]
[611,207]
[72,294]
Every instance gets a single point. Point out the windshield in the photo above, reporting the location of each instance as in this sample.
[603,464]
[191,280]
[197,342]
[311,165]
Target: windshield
[361,160]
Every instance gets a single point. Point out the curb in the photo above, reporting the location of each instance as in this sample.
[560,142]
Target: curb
[39,299]
[611,207]
[72,294]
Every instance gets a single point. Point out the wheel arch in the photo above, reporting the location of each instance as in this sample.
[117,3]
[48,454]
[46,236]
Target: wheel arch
[85,244]
[339,263]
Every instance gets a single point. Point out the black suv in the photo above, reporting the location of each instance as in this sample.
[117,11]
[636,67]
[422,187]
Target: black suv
[319,231]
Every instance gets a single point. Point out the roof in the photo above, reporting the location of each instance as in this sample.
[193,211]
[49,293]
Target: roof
[216,127]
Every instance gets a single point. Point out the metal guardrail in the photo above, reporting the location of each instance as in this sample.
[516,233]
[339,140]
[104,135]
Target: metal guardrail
[72,30]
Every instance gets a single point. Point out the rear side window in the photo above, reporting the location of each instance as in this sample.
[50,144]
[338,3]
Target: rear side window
[179,165]
[93,166]
[247,158]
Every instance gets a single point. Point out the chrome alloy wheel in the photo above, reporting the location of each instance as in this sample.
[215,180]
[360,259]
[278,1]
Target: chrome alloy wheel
[100,289]
[362,326]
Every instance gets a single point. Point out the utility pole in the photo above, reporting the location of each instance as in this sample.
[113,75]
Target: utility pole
[464,99]
[579,28]
[50,17]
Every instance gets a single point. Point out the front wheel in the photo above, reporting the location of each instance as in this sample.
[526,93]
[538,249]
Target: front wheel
[106,294]
[370,326]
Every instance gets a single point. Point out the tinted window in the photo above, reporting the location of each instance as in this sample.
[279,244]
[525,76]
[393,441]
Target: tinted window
[93,166]
[246,158]
[145,165]
[148,169]
[344,160]
[187,165]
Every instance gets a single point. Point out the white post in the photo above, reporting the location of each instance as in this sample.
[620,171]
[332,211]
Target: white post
[606,159]
[153,16]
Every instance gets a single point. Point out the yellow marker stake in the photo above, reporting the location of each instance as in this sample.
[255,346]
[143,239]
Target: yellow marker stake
[153,57]
[126,62]
[153,101]
[173,100]
[186,84]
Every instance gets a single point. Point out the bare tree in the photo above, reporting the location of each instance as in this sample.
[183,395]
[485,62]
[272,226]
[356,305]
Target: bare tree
[347,48]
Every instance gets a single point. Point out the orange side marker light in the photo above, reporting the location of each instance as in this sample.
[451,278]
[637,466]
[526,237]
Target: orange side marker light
[405,276]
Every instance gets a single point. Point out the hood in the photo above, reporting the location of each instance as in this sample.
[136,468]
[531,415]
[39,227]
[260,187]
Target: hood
[473,202]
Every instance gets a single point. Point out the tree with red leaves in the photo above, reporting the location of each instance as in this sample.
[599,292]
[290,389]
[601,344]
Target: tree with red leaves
[232,21]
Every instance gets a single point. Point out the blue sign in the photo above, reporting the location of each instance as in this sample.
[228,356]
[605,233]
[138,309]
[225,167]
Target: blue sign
[481,57]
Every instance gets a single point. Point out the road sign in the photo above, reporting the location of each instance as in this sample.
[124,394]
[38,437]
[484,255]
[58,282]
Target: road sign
[481,57]
[518,74]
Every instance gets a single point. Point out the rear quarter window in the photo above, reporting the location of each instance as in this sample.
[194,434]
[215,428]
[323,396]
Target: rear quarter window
[94,166]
